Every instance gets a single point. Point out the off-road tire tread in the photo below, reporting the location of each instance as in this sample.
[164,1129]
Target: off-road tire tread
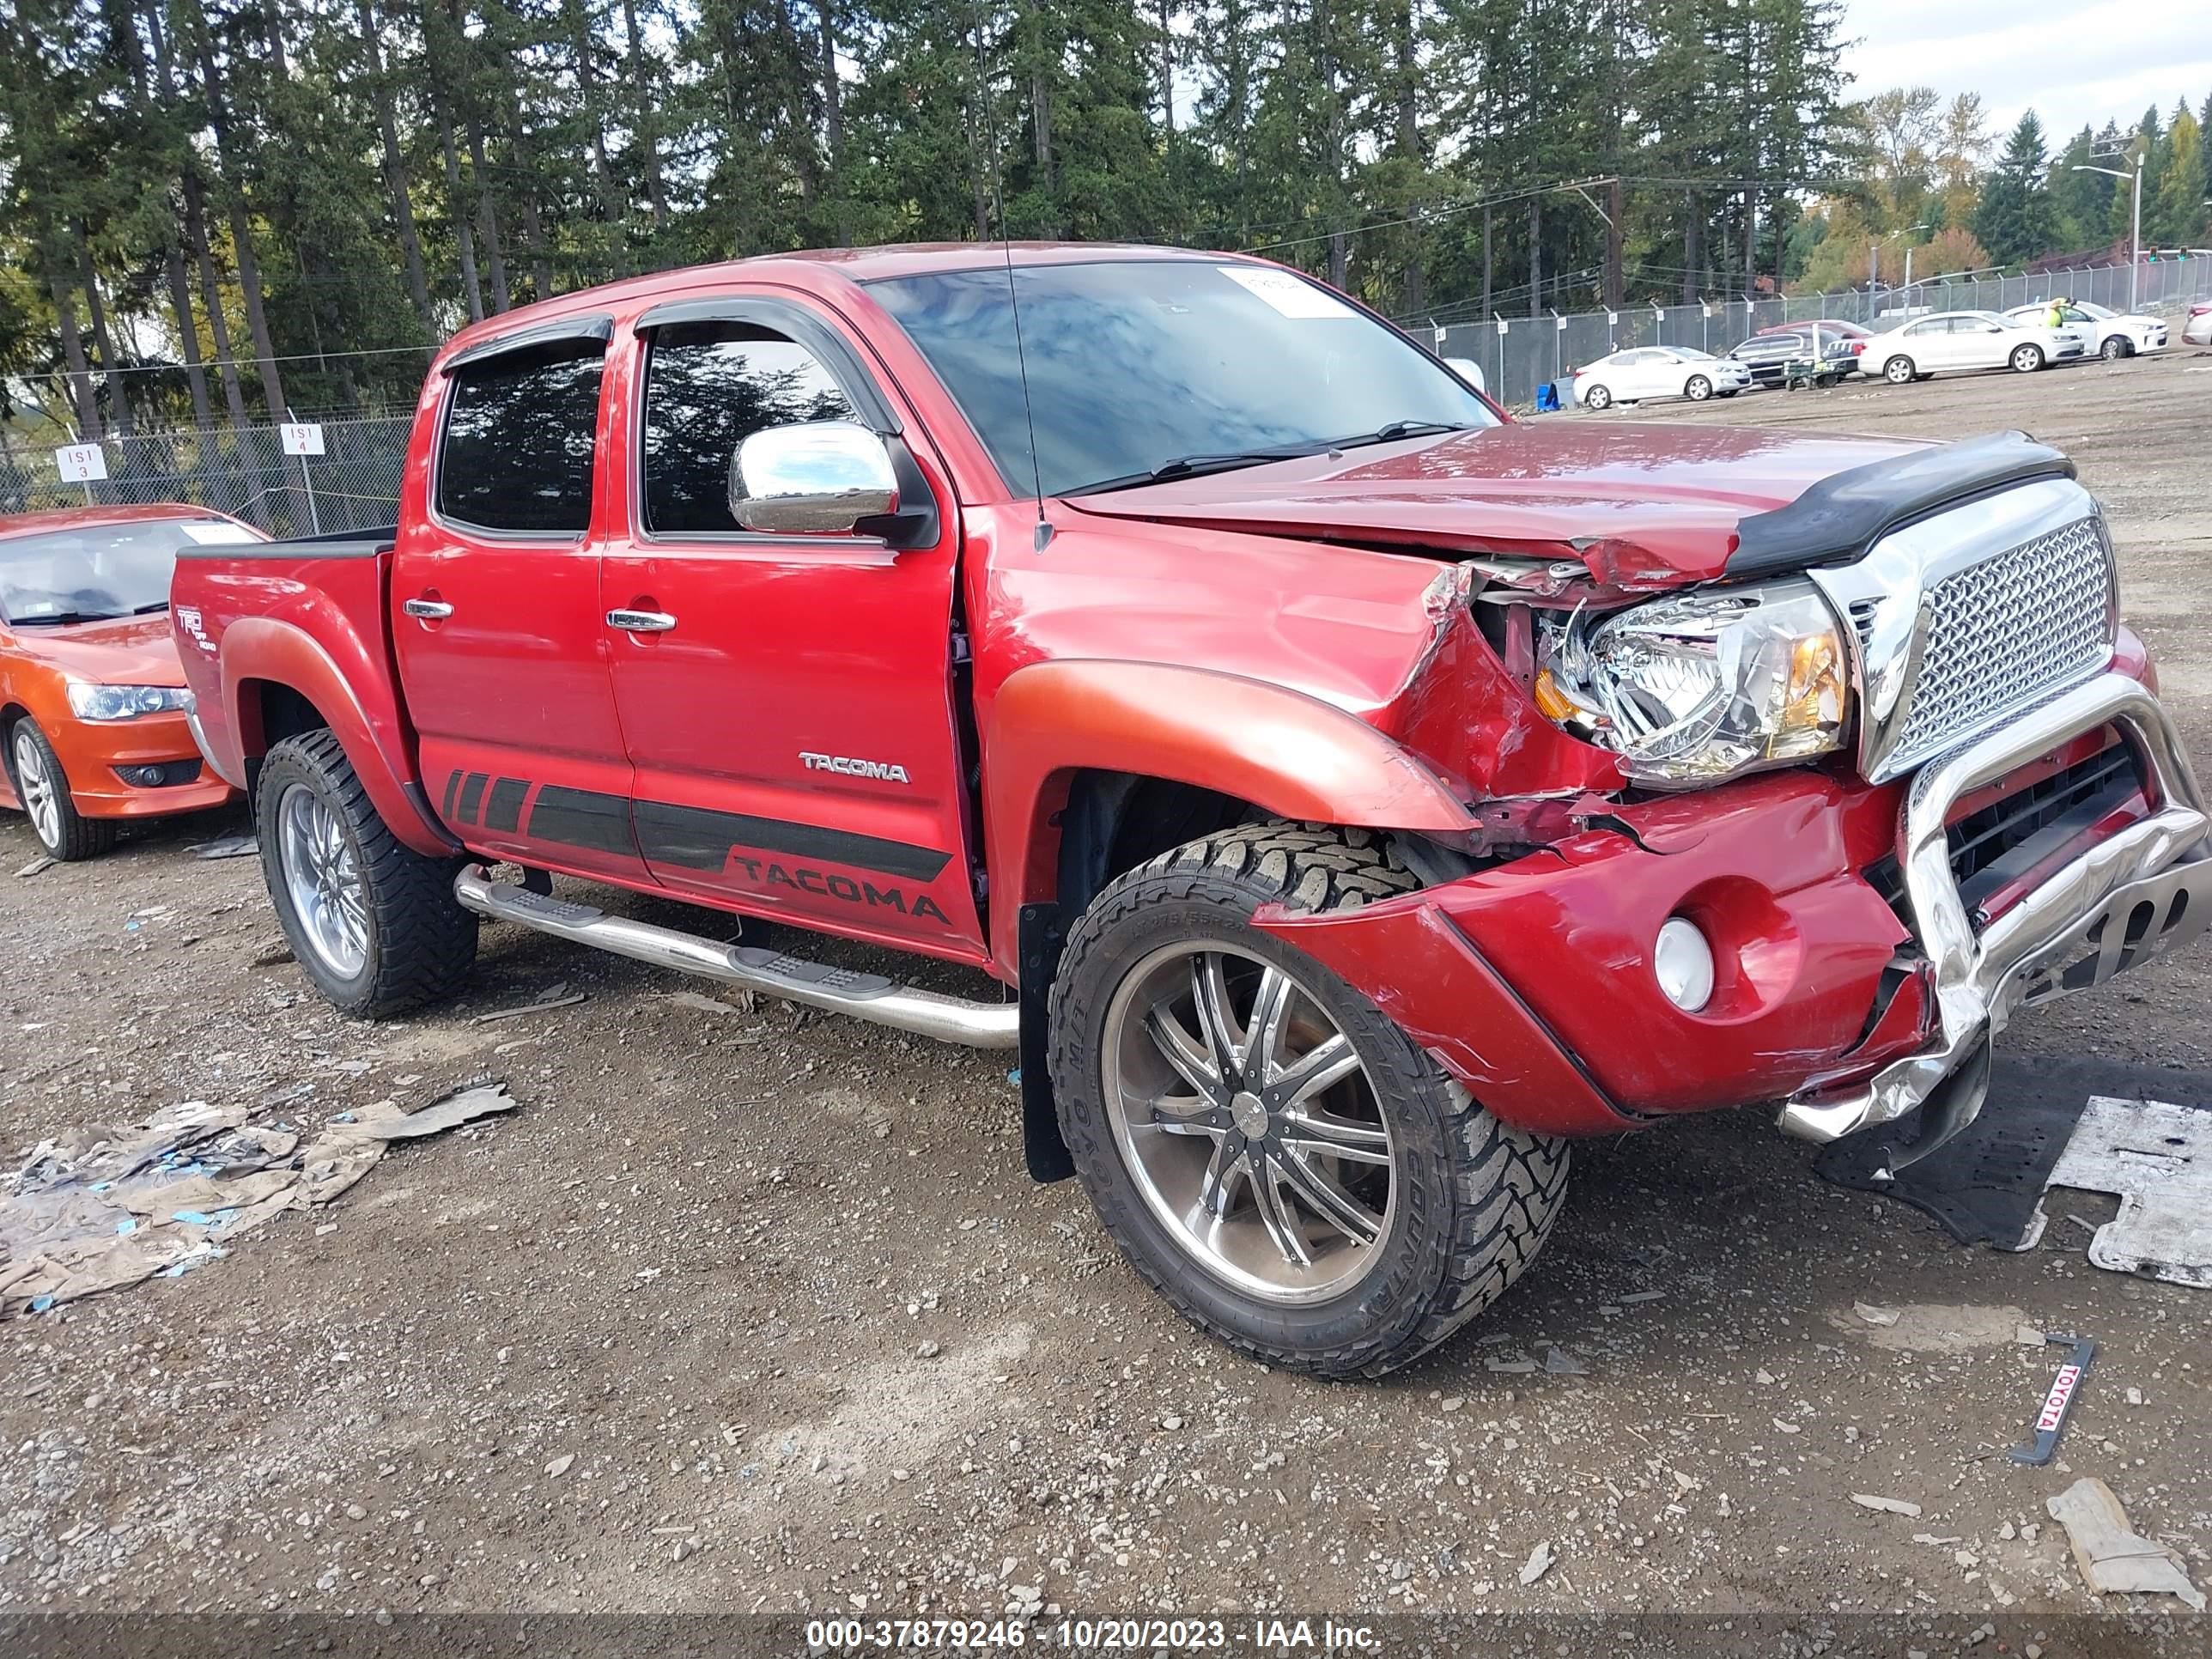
[82,837]
[1510,1183]
[426,943]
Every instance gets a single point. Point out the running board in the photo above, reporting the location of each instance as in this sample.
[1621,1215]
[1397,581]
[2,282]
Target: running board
[817,985]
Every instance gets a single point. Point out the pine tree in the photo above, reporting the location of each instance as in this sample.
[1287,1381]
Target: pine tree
[2014,221]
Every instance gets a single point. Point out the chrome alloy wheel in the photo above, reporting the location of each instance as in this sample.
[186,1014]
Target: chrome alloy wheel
[37,787]
[322,875]
[1248,1121]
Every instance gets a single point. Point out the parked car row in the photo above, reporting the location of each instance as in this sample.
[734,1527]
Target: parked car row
[1822,351]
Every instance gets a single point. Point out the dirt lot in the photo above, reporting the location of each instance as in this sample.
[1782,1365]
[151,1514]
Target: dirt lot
[707,1256]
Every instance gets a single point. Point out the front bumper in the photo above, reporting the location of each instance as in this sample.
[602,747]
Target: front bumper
[1532,982]
[2122,901]
[93,753]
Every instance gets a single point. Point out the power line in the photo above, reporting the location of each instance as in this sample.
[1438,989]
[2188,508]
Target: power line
[65,374]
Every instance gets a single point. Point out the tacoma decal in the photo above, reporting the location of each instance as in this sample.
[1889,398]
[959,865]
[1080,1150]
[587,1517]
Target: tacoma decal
[768,874]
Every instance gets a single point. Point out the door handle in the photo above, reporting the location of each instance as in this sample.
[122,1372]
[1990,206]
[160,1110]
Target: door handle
[428,609]
[641,622]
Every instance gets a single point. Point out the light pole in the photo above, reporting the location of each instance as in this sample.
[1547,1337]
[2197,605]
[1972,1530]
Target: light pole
[1874,252]
[2134,234]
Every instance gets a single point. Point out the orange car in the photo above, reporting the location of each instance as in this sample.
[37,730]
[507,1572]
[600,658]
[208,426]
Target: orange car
[95,723]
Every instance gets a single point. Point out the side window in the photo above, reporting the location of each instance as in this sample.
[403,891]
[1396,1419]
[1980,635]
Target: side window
[707,387]
[516,450]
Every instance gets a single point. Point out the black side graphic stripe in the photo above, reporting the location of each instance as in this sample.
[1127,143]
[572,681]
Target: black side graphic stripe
[452,786]
[472,796]
[699,839]
[504,810]
[583,817]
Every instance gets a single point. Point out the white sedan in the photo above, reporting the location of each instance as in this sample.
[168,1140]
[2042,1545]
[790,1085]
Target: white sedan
[2111,335]
[1641,372]
[1970,340]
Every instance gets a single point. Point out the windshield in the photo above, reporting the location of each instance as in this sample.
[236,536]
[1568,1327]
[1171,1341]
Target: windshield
[1690,354]
[2094,312]
[91,573]
[1136,365]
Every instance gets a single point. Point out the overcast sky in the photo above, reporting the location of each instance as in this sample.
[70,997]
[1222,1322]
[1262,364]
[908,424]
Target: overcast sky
[2071,63]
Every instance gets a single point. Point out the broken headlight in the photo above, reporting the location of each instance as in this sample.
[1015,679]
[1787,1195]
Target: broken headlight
[1700,687]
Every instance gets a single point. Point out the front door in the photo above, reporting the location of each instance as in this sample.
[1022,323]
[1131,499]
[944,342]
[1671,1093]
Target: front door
[790,710]
[498,625]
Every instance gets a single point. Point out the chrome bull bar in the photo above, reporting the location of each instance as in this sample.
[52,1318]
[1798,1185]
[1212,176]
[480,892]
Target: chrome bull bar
[2143,890]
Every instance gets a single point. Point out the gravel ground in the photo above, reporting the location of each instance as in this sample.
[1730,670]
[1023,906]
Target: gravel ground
[738,1312]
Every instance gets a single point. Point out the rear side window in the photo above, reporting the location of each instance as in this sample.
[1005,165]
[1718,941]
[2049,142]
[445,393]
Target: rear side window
[517,452]
[709,386]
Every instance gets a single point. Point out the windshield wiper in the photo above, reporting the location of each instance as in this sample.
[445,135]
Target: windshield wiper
[1394,430]
[65,618]
[1192,466]
[149,609]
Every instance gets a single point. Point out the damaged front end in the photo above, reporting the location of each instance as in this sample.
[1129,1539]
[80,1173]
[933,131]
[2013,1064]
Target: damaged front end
[1809,832]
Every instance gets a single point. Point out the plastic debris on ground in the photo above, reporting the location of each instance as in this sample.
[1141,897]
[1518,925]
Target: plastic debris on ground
[95,1208]
[2157,1159]
[2114,1560]
[553,996]
[228,847]
[35,867]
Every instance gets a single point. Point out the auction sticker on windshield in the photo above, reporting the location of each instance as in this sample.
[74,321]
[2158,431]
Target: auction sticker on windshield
[1287,294]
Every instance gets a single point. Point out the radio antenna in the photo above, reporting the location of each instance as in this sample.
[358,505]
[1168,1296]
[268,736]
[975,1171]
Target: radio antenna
[1028,414]
[1014,302]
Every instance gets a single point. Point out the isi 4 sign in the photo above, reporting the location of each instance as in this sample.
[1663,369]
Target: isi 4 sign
[302,437]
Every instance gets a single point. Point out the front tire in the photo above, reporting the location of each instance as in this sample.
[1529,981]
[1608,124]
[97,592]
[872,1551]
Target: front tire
[374,922]
[2026,358]
[1597,398]
[2116,347]
[43,789]
[1697,388]
[1898,371]
[1271,1152]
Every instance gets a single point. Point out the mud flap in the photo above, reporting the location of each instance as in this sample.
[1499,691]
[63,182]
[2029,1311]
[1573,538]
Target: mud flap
[1041,938]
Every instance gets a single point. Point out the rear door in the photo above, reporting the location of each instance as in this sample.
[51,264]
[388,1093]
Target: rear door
[793,725]
[1931,344]
[497,624]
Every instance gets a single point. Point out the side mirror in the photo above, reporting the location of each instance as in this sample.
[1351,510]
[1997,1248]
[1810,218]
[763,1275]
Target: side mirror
[1468,370]
[817,477]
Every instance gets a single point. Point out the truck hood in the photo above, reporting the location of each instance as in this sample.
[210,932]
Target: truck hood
[1643,506]
[120,651]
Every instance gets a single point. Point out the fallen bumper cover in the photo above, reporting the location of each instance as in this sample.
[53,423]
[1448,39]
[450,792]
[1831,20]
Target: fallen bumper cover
[2121,902]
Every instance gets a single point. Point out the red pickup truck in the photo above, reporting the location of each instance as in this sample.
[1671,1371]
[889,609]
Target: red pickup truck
[1350,794]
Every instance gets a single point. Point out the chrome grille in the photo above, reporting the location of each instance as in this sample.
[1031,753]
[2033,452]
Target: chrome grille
[2001,632]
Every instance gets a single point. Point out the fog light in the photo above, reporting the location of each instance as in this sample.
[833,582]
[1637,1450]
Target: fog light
[1683,964]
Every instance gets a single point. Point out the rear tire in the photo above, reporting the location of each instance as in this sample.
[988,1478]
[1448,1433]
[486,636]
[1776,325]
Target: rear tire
[1898,370]
[1597,396]
[374,922]
[1200,1167]
[35,771]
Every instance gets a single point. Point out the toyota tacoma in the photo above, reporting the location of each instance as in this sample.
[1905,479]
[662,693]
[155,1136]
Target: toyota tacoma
[1347,796]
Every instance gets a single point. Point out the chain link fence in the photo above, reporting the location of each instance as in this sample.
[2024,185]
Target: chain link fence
[355,483]
[242,470]
[1522,353]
